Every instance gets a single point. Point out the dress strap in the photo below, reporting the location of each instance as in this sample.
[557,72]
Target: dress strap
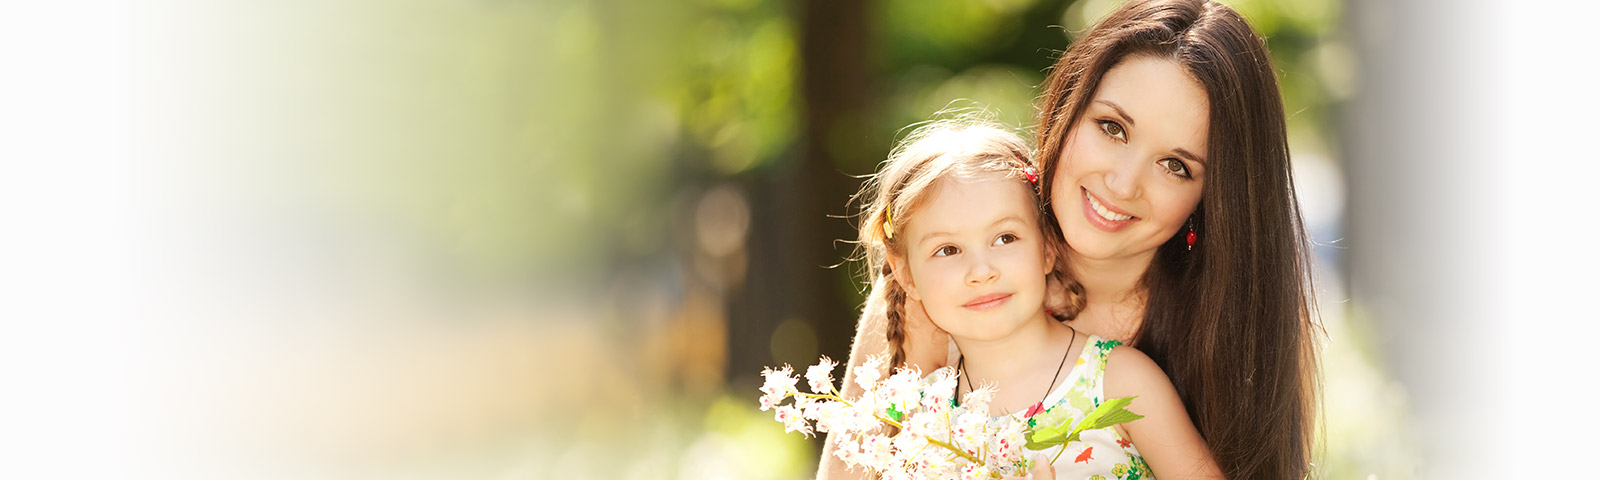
[1096,351]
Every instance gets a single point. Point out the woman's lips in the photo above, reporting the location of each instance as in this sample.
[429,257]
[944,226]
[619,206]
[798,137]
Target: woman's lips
[1103,216]
[987,302]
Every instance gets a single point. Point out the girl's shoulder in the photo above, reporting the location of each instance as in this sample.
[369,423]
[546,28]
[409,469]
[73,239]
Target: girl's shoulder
[1129,371]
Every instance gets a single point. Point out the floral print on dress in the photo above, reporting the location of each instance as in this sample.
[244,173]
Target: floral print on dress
[1101,454]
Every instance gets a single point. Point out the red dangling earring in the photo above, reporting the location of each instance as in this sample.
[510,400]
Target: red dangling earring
[1191,237]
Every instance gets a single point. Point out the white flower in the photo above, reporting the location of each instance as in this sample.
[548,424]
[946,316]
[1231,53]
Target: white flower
[968,430]
[830,416]
[901,389]
[820,376]
[1005,447]
[848,450]
[935,466]
[973,472]
[869,371]
[929,424]
[897,474]
[938,394]
[779,382]
[876,452]
[864,420]
[909,447]
[792,420]
[978,400]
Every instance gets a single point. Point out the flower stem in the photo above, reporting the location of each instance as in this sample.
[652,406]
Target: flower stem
[890,421]
[1058,453]
[957,451]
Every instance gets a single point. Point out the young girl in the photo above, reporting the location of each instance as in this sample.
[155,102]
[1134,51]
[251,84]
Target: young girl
[953,220]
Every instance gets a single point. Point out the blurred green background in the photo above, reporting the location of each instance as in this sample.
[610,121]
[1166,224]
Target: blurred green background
[560,239]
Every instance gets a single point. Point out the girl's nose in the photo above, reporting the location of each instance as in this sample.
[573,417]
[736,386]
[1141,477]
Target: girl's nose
[982,271]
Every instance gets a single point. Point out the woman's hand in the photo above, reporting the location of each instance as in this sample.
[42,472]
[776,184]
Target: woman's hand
[927,346]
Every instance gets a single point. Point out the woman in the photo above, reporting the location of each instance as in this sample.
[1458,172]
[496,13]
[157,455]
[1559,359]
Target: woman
[1162,135]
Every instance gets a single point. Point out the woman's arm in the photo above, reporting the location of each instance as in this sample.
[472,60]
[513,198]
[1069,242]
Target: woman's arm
[927,347]
[1165,437]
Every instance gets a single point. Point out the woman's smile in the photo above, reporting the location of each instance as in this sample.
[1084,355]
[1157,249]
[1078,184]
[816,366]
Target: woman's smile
[1103,216]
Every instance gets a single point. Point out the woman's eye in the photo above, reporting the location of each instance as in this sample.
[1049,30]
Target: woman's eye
[1113,129]
[1175,167]
[946,251]
[1005,239]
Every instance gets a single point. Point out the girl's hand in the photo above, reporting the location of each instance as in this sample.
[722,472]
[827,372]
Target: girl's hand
[927,345]
[1043,470]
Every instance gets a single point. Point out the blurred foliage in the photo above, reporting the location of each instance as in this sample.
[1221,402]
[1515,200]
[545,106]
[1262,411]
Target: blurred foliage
[605,155]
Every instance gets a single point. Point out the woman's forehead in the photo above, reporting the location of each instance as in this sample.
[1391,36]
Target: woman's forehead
[1160,98]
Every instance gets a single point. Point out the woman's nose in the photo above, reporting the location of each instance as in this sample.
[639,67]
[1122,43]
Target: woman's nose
[1122,180]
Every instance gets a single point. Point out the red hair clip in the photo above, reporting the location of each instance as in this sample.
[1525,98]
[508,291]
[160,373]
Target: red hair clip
[1031,174]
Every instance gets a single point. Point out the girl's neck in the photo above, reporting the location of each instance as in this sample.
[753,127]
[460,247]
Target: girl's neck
[1013,356]
[1115,299]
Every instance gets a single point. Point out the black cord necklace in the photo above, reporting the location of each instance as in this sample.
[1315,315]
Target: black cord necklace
[961,371]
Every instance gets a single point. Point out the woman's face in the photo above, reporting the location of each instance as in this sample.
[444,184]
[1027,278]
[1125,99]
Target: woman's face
[1133,165]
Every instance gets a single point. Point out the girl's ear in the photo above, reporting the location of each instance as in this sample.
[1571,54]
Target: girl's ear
[902,274]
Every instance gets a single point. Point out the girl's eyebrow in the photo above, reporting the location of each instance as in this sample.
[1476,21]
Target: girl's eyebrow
[1120,112]
[1012,218]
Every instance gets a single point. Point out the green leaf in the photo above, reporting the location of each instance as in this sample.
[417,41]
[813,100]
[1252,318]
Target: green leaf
[1047,437]
[1109,413]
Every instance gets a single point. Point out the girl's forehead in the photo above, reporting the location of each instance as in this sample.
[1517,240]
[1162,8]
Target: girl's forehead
[967,203]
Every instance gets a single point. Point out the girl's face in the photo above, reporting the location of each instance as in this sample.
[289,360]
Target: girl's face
[1133,166]
[976,258]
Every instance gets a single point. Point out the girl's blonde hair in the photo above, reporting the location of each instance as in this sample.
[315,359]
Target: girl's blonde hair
[968,147]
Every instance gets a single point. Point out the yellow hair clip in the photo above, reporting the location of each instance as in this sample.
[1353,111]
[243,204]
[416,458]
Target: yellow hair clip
[888,224]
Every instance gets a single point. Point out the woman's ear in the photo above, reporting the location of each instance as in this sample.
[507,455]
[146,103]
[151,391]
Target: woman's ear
[1055,246]
[1052,252]
[902,273]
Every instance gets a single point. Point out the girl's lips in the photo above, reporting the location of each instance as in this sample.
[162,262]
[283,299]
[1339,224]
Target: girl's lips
[988,301]
[1101,222]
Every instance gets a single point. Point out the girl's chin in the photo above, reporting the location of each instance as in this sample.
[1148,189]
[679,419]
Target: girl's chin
[986,333]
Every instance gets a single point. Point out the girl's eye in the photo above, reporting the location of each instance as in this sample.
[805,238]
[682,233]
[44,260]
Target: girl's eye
[1005,239]
[1114,130]
[1175,167]
[946,251]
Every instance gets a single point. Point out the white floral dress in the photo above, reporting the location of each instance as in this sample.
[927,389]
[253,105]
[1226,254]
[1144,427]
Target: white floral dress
[1101,454]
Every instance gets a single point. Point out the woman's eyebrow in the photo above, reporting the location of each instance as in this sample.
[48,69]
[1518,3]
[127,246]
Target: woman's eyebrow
[1192,157]
[1124,114]
[1120,112]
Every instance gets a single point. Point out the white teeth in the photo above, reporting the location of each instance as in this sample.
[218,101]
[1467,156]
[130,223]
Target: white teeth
[1104,213]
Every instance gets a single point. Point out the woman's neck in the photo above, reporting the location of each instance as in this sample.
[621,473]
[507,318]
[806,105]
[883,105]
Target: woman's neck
[1114,298]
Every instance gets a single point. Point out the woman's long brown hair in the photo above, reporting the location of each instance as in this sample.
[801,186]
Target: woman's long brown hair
[1229,321]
